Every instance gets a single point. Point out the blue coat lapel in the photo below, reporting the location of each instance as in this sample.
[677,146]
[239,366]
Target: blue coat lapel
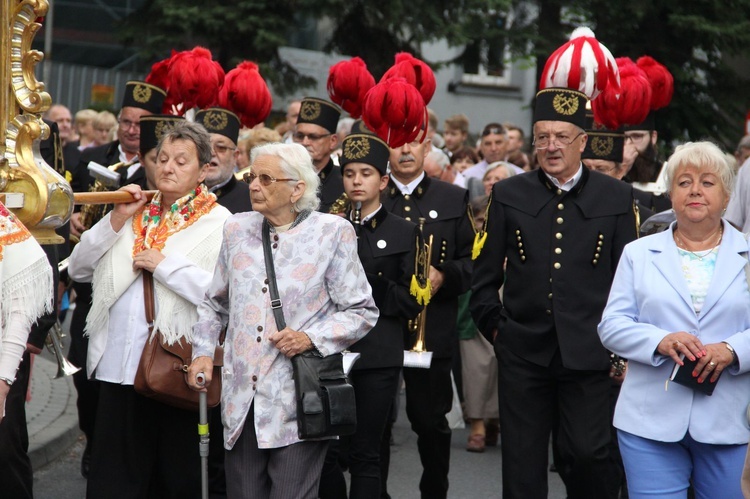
[666,262]
[731,261]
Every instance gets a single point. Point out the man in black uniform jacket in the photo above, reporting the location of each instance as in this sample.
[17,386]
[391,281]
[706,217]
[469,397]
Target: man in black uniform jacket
[140,99]
[560,230]
[387,250]
[224,128]
[412,195]
[316,130]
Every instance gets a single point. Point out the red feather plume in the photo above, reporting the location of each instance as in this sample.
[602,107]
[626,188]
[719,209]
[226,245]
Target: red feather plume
[628,106]
[348,83]
[662,82]
[246,94]
[414,71]
[395,110]
[159,76]
[194,78]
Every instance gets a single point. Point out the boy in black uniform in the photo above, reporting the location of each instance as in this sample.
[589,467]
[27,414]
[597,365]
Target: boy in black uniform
[411,194]
[561,230]
[387,250]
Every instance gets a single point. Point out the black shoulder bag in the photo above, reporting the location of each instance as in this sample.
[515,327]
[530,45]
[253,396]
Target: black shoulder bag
[325,399]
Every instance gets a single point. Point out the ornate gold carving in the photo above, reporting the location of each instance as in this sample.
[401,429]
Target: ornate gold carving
[141,93]
[310,110]
[357,148]
[215,120]
[602,146]
[565,104]
[48,199]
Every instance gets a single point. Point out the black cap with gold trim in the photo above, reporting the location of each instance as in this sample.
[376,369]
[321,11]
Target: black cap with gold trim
[221,121]
[359,127]
[561,104]
[144,96]
[319,112]
[154,127]
[602,143]
[365,148]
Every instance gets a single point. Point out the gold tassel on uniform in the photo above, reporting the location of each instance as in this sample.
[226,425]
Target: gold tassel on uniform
[420,287]
[421,293]
[481,236]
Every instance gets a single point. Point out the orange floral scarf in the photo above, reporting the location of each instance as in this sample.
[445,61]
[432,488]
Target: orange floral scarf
[153,226]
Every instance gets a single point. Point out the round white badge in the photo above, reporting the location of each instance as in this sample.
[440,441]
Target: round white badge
[382,244]
[433,214]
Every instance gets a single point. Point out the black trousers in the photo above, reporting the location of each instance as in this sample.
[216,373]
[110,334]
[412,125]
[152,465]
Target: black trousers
[16,477]
[429,396]
[374,389]
[533,399]
[142,448]
[88,390]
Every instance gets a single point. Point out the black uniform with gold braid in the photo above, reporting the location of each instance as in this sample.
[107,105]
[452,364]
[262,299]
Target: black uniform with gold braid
[562,249]
[387,249]
[325,114]
[231,194]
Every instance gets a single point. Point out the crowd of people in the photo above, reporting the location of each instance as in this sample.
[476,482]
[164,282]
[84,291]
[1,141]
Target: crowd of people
[539,300]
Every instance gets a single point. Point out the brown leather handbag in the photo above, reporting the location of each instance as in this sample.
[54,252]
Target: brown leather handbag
[162,371]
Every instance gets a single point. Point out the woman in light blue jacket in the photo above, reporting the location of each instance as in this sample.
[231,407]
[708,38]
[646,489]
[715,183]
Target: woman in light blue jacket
[683,293]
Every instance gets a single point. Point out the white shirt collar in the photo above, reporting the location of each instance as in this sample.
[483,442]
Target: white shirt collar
[568,185]
[408,188]
[368,217]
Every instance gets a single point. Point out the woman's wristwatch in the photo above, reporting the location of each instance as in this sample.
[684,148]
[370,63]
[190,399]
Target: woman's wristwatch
[734,354]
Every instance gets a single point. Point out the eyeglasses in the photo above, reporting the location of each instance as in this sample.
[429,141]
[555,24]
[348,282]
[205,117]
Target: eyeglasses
[300,137]
[127,124]
[635,137]
[221,149]
[265,179]
[560,141]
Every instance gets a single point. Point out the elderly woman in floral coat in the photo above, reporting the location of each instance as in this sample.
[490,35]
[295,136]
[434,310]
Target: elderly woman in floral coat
[327,304]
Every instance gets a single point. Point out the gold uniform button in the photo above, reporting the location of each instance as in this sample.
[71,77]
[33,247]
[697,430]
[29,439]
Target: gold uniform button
[407,208]
[518,232]
[557,265]
[559,191]
[595,261]
[558,251]
[596,255]
[549,296]
[380,274]
[560,220]
[520,244]
[406,196]
[520,251]
[518,238]
[601,237]
[548,312]
[408,219]
[558,235]
[523,258]
[560,206]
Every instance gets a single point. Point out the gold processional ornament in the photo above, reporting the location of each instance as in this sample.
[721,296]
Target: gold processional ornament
[40,197]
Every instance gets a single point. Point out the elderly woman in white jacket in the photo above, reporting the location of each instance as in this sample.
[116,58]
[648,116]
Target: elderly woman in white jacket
[684,292]
[327,304]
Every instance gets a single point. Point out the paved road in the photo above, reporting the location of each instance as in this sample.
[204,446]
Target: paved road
[472,475]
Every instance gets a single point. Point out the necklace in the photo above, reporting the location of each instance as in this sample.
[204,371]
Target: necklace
[700,255]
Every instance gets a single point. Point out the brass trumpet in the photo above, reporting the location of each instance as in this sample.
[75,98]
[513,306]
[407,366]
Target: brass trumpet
[54,344]
[105,179]
[418,356]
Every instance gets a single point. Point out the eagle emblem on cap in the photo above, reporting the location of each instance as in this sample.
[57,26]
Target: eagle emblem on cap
[141,93]
[565,104]
[602,146]
[310,110]
[357,148]
[215,120]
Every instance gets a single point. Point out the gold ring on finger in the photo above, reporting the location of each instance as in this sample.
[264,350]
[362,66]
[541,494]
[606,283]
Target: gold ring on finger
[712,364]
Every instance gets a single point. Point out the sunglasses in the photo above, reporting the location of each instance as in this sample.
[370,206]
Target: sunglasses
[265,179]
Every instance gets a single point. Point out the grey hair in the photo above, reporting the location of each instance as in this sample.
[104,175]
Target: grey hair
[440,158]
[195,133]
[701,155]
[295,163]
[500,164]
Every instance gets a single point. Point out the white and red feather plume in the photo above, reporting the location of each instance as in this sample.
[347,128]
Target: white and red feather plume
[581,64]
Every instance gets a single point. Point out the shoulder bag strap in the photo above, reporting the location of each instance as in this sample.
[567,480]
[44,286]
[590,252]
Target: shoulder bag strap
[278,313]
[148,298]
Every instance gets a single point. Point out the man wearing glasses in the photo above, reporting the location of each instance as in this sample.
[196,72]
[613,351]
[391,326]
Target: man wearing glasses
[316,131]
[641,161]
[224,128]
[560,231]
